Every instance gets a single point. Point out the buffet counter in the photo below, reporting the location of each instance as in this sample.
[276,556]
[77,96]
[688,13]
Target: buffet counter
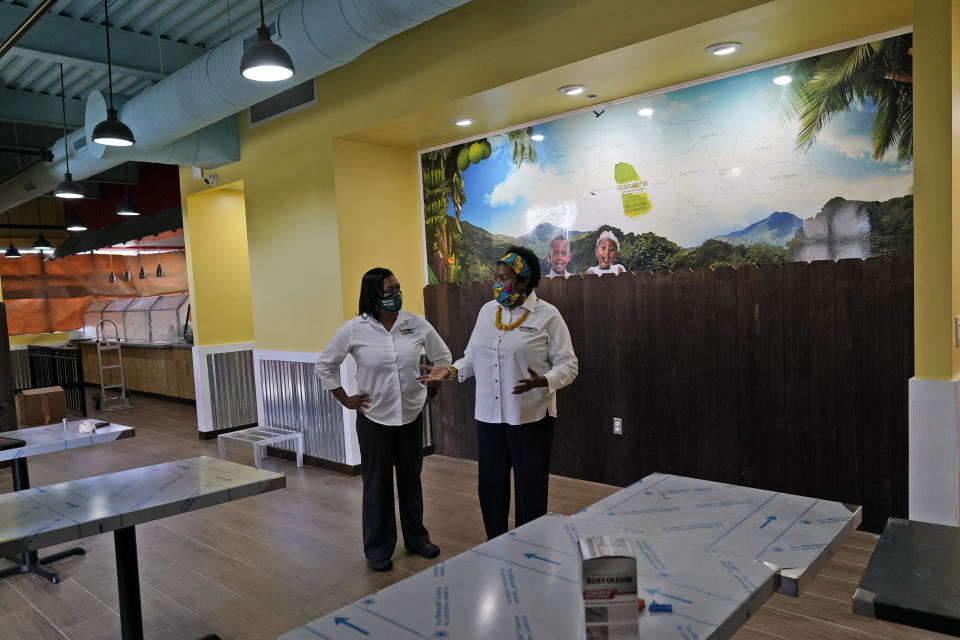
[159,369]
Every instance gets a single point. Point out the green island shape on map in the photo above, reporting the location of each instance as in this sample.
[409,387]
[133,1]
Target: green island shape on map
[634,204]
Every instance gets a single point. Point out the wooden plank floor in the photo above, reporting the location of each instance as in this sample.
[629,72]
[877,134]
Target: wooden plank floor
[261,566]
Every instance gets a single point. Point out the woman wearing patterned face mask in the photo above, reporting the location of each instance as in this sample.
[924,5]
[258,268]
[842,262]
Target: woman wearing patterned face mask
[520,353]
[386,343]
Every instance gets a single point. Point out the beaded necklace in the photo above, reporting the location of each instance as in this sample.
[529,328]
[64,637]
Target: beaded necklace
[512,325]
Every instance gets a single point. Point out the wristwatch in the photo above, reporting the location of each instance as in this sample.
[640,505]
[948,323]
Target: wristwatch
[452,372]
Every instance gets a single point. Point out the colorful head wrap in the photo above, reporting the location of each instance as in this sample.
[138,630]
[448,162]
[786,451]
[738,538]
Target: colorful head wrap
[516,263]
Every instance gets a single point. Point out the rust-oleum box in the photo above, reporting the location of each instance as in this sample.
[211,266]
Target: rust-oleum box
[608,580]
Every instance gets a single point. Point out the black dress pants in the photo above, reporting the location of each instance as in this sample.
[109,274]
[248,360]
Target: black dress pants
[383,448]
[525,448]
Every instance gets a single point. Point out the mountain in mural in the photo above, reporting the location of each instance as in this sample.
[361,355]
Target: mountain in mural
[777,229]
[478,250]
[840,227]
[856,229]
[542,235]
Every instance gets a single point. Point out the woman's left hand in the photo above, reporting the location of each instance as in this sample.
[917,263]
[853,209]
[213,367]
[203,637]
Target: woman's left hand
[526,384]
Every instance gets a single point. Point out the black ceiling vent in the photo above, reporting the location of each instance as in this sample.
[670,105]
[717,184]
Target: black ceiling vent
[294,98]
[29,186]
[79,143]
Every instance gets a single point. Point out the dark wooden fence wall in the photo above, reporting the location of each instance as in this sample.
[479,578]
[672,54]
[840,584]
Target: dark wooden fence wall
[786,377]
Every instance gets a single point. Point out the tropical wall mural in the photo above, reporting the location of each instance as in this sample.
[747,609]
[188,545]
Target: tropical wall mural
[804,161]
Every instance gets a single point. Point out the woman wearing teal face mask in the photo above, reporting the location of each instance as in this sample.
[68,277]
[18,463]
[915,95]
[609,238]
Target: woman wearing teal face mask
[520,353]
[386,342]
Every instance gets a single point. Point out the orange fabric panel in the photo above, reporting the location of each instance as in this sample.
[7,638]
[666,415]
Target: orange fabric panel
[84,275]
[43,296]
[28,316]
[67,313]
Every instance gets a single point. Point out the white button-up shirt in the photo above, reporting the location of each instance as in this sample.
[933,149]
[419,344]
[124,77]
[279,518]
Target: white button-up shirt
[388,364]
[499,359]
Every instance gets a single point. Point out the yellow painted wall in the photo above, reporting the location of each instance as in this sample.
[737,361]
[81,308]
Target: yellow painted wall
[304,231]
[377,188]
[218,266]
[38,338]
[936,199]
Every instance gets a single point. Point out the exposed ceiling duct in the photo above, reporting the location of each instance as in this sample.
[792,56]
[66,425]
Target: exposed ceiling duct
[180,120]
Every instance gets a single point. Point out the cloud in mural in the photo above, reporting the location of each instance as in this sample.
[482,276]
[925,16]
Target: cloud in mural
[841,135]
[676,110]
[537,185]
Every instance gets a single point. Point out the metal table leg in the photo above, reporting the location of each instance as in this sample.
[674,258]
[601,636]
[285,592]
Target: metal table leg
[31,562]
[128,585]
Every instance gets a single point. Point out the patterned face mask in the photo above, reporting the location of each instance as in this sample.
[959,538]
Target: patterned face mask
[505,294]
[392,302]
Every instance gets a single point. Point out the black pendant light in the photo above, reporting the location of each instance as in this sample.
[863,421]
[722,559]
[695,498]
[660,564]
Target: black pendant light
[41,243]
[12,251]
[128,207]
[160,271]
[264,60]
[111,132]
[76,224]
[127,276]
[143,272]
[67,187]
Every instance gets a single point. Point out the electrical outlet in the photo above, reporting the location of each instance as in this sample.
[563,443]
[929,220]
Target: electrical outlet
[617,427]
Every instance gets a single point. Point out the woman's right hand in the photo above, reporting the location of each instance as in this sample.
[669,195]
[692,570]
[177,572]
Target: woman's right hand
[434,374]
[358,402]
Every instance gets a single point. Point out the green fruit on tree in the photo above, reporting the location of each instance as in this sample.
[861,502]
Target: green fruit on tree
[487,148]
[463,159]
[476,152]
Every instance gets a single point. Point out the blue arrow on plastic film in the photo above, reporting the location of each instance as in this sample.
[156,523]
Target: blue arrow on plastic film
[656,592]
[533,555]
[346,622]
[768,520]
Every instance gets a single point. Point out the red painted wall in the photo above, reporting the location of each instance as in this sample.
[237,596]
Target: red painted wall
[159,189]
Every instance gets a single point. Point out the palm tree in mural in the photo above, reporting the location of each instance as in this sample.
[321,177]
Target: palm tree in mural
[442,173]
[880,72]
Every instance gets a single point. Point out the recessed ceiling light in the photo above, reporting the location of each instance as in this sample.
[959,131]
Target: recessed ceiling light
[646,112]
[571,90]
[782,80]
[723,48]
[462,122]
[537,137]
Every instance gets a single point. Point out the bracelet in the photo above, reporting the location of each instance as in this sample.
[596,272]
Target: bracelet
[452,372]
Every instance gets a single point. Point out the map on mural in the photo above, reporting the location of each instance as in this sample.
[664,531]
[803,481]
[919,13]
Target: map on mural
[717,168]
[686,168]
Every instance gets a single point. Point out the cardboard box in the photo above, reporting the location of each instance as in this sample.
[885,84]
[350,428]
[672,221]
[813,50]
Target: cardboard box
[46,405]
[608,580]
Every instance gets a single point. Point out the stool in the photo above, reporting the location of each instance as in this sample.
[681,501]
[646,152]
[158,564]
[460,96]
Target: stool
[262,437]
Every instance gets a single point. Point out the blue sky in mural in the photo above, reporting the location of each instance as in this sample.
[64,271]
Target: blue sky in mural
[717,157]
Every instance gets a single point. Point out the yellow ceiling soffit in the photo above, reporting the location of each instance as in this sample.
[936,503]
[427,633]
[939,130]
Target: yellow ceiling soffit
[768,32]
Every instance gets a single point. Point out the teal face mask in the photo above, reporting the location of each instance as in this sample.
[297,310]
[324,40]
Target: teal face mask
[392,302]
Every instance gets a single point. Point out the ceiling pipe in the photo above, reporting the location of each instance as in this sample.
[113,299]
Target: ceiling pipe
[44,154]
[319,35]
[25,26]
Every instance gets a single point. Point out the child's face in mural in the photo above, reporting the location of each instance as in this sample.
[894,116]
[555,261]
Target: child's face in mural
[606,253]
[559,256]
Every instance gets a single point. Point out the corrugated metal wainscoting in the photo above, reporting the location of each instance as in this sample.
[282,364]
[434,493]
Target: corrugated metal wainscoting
[292,398]
[20,365]
[233,393]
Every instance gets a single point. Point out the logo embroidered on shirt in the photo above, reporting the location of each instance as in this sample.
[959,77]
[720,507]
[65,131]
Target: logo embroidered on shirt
[525,329]
[407,331]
